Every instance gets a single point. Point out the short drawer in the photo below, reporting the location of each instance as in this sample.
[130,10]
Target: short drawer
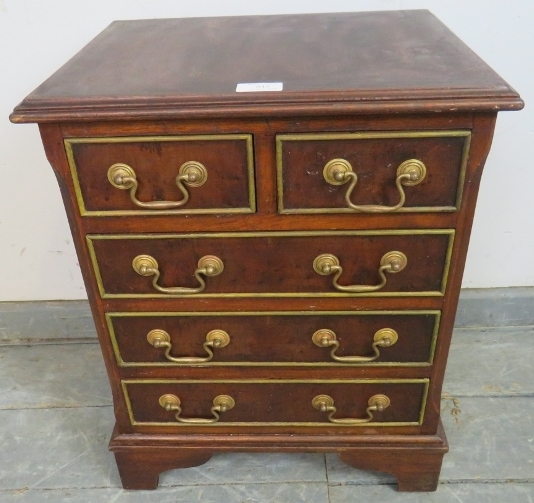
[389,263]
[323,338]
[163,174]
[376,172]
[345,403]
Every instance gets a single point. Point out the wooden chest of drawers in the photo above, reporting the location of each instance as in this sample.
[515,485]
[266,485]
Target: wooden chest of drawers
[273,270]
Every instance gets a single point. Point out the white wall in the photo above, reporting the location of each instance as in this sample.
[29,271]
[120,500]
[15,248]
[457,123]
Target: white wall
[36,37]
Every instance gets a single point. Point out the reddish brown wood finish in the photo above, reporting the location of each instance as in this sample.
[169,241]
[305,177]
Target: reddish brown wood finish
[156,164]
[329,63]
[375,162]
[275,338]
[277,264]
[140,468]
[343,73]
[274,402]
[416,467]
[414,460]
[420,474]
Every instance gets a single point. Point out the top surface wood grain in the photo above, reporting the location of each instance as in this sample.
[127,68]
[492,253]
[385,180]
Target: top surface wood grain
[134,67]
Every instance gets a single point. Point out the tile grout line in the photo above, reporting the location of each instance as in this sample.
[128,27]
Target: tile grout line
[50,407]
[447,395]
[488,481]
[326,476]
[491,327]
[441,482]
[444,397]
[47,342]
[163,486]
[26,342]
[278,482]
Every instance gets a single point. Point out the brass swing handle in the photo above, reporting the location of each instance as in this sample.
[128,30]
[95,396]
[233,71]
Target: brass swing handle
[191,173]
[325,403]
[209,266]
[384,338]
[339,172]
[221,403]
[214,339]
[327,264]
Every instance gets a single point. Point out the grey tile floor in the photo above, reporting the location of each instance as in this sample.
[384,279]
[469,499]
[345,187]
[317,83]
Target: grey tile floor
[56,418]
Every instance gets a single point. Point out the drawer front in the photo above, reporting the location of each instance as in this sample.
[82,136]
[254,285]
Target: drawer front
[367,338]
[276,402]
[273,264]
[309,163]
[173,174]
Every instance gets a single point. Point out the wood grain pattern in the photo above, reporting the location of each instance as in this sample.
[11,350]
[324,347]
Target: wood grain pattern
[415,460]
[275,338]
[156,164]
[277,264]
[342,73]
[403,60]
[140,468]
[421,474]
[275,402]
[375,162]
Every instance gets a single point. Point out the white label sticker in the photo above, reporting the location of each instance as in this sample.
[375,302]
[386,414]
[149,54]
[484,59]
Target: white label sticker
[258,87]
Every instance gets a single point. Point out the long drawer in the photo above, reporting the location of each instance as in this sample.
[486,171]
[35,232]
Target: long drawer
[345,338]
[389,263]
[345,403]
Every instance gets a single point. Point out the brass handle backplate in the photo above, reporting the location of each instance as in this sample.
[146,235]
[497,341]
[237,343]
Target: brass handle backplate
[209,266]
[191,173]
[327,264]
[325,403]
[384,338]
[339,172]
[221,403]
[214,339]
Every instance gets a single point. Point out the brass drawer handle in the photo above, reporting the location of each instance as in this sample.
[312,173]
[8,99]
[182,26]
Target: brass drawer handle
[327,264]
[221,403]
[325,403]
[384,338]
[339,172]
[214,339]
[209,266]
[191,173]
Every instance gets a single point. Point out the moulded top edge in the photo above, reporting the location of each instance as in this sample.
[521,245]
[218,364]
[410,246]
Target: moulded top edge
[146,109]
[359,62]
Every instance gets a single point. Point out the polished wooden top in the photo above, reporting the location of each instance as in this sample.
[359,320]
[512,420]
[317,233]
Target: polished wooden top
[371,62]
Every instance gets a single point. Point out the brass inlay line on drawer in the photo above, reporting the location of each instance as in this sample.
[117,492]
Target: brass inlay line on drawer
[122,363]
[412,232]
[425,382]
[280,138]
[136,139]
